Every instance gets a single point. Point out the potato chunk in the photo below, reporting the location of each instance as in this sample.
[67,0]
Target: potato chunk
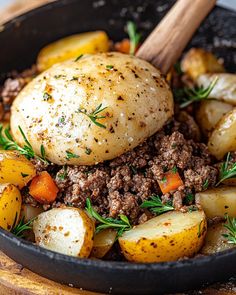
[93,109]
[209,113]
[72,47]
[167,237]
[65,230]
[15,169]
[103,241]
[10,206]
[223,138]
[197,61]
[214,241]
[218,201]
[224,89]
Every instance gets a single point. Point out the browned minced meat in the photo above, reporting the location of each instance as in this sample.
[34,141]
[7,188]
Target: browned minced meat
[119,186]
[11,88]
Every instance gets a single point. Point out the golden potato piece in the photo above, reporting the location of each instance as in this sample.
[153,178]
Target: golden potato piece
[209,113]
[102,243]
[224,89]
[72,47]
[197,61]
[10,206]
[65,230]
[167,237]
[223,138]
[214,241]
[218,201]
[15,169]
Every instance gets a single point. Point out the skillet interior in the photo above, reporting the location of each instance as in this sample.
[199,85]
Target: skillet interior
[21,39]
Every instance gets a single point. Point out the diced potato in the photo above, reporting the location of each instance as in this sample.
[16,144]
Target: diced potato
[209,113]
[72,47]
[29,212]
[167,237]
[224,89]
[197,61]
[223,138]
[65,230]
[10,206]
[15,169]
[218,201]
[214,241]
[103,241]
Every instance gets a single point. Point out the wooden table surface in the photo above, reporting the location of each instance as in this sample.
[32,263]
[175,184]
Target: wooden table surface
[15,279]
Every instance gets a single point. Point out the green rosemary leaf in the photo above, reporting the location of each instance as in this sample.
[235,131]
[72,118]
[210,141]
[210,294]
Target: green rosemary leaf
[227,171]
[134,37]
[156,206]
[120,225]
[187,96]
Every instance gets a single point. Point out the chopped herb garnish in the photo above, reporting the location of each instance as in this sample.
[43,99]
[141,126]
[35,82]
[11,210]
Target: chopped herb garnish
[120,225]
[188,199]
[174,169]
[46,96]
[205,184]
[186,96]
[134,37]
[227,171]
[63,174]
[199,229]
[178,69]
[7,143]
[156,206]
[134,170]
[61,120]
[79,57]
[88,151]
[24,175]
[164,179]
[109,67]
[93,116]
[70,155]
[230,225]
[192,208]
[19,229]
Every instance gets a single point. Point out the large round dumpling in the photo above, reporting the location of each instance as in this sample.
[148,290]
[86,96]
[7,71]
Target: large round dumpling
[92,109]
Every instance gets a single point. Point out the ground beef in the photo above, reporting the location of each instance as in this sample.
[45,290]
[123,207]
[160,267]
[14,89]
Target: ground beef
[119,186]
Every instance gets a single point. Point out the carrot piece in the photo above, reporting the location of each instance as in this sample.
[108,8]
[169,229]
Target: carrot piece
[171,181]
[43,188]
[123,46]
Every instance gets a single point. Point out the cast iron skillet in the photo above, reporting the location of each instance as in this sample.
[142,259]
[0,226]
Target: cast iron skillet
[20,41]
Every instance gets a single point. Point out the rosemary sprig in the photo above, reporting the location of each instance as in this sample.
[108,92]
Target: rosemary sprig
[120,225]
[230,225]
[8,143]
[226,172]
[19,229]
[70,155]
[79,57]
[94,115]
[134,36]
[156,206]
[195,94]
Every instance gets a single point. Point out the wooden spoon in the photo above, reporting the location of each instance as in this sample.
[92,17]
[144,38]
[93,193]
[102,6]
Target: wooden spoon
[166,43]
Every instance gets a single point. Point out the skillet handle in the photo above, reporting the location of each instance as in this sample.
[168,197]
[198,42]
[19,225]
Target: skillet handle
[167,41]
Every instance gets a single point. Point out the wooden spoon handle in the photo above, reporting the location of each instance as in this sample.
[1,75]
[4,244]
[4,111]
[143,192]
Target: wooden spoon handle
[166,43]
